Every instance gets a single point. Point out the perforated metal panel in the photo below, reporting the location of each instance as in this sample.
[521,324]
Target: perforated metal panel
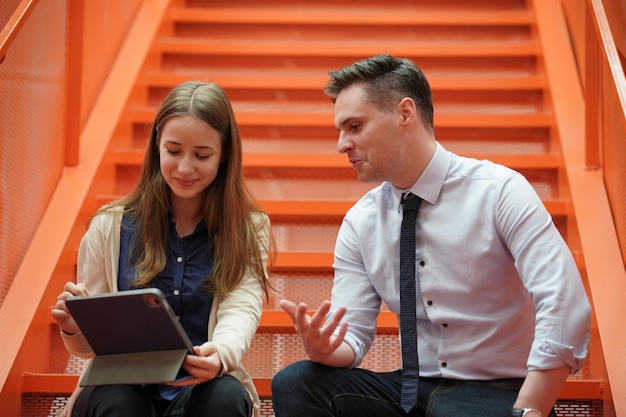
[31,128]
[7,8]
[614,163]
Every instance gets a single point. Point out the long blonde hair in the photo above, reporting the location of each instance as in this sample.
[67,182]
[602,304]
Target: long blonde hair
[228,208]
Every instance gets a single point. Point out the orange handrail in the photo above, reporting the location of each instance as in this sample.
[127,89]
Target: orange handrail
[602,58]
[15,23]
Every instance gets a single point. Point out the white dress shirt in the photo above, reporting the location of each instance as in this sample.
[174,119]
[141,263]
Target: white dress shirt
[488,257]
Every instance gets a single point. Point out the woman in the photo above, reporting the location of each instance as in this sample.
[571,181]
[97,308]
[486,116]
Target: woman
[191,229]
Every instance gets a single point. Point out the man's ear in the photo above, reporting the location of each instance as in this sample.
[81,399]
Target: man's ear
[407,110]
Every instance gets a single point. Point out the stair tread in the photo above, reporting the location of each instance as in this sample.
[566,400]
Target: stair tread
[573,389]
[321,115]
[304,160]
[357,48]
[374,16]
[283,78]
[332,209]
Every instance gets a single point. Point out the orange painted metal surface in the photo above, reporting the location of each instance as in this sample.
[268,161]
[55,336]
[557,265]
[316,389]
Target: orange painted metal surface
[106,25]
[31,162]
[14,23]
[498,101]
[603,259]
[24,313]
[606,109]
[30,126]
[74,81]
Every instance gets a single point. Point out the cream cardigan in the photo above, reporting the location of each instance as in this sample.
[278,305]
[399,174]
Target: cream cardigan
[233,320]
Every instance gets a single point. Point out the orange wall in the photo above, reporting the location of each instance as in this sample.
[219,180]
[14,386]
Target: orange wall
[34,87]
[575,15]
[34,128]
[31,131]
[7,7]
[106,23]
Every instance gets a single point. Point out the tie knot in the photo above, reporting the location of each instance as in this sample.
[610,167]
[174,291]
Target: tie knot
[410,202]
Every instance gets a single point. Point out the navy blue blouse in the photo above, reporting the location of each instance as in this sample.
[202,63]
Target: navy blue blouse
[189,262]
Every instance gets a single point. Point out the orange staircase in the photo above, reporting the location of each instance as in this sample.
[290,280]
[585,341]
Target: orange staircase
[492,100]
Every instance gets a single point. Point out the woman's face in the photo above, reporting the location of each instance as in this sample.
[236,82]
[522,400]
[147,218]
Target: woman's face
[190,152]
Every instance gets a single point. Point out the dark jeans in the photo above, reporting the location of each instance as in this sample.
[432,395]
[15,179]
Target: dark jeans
[221,397]
[312,390]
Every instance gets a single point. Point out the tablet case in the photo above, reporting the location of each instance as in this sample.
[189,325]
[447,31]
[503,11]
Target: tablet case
[135,336]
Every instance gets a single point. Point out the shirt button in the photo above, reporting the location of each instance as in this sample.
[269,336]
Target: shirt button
[444,364]
[179,259]
[176,292]
[445,325]
[429,302]
[422,263]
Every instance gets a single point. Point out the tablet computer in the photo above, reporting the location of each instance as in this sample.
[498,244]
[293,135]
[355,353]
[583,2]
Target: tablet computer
[135,335]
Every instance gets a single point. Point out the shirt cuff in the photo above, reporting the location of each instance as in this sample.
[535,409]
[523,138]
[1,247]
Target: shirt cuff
[547,354]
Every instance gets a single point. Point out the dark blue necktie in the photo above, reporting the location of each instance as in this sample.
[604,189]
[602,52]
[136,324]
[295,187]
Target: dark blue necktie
[408,319]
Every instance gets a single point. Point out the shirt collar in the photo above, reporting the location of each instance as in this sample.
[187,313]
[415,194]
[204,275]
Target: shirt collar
[428,186]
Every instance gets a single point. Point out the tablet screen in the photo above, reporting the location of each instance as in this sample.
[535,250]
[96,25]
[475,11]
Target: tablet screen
[128,321]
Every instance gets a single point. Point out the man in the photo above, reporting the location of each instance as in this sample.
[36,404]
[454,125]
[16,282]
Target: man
[501,314]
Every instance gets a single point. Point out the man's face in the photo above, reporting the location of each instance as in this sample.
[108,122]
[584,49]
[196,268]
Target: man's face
[371,138]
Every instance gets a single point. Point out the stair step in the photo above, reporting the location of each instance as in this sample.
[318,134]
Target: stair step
[433,66]
[287,261]
[451,5]
[280,78]
[64,384]
[277,321]
[333,210]
[287,47]
[477,142]
[274,183]
[306,161]
[320,261]
[321,116]
[371,16]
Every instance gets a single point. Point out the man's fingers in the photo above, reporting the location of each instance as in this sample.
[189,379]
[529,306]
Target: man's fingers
[298,314]
[332,323]
[338,340]
[315,330]
[303,321]
[290,308]
[320,315]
